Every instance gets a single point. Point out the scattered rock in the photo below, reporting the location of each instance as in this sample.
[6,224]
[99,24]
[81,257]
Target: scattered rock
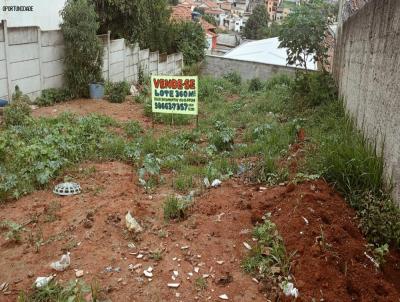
[224,279]
[223,297]
[148,272]
[4,287]
[110,269]
[173,285]
[219,217]
[247,246]
[131,224]
[88,224]
[305,219]
[79,273]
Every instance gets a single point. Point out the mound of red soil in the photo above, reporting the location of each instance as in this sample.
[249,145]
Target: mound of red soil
[329,263]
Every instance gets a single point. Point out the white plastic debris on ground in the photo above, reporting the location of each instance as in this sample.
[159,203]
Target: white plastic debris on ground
[62,264]
[290,290]
[132,224]
[133,90]
[43,281]
[216,183]
[206,182]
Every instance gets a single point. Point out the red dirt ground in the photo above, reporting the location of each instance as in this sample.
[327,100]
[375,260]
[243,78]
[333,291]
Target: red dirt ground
[120,112]
[340,272]
[126,111]
[337,270]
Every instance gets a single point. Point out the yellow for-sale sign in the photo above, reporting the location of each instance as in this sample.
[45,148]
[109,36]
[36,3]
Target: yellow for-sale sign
[175,94]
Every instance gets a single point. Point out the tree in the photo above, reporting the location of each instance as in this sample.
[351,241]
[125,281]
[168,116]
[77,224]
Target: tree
[190,40]
[83,51]
[143,21]
[199,10]
[303,33]
[210,19]
[257,26]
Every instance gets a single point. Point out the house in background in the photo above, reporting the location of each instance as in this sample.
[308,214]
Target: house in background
[183,12]
[266,51]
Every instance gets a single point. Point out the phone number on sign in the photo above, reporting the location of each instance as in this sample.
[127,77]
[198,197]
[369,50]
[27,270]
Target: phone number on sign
[171,106]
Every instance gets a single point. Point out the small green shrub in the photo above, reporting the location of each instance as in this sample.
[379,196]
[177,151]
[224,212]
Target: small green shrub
[279,80]
[222,136]
[14,230]
[156,255]
[76,291]
[255,85]
[379,218]
[200,283]
[380,253]
[312,89]
[234,78]
[351,163]
[133,128]
[175,209]
[183,183]
[268,258]
[117,92]
[51,96]
[149,173]
[19,111]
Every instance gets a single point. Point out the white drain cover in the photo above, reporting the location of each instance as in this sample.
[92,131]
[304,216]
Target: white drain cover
[67,188]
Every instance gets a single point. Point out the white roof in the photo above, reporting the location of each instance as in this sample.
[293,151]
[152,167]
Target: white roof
[265,51]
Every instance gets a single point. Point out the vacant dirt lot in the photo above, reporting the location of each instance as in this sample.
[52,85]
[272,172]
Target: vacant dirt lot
[208,244]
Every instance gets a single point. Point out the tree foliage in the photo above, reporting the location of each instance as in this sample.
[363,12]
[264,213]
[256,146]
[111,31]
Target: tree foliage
[210,19]
[303,31]
[83,50]
[257,26]
[190,40]
[142,21]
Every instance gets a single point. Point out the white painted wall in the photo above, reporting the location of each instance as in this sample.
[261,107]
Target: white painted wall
[45,13]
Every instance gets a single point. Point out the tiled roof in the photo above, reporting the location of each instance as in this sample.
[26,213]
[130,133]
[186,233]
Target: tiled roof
[181,12]
[214,11]
[184,13]
[210,4]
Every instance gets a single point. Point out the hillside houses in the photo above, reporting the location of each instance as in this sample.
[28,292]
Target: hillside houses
[184,12]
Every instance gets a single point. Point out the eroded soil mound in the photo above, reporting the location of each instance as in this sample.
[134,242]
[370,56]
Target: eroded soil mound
[205,250]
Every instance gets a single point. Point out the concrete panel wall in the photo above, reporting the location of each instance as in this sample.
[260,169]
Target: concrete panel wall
[3,66]
[367,69]
[219,66]
[34,60]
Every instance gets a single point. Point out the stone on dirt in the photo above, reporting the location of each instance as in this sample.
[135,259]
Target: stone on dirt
[79,273]
[131,224]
